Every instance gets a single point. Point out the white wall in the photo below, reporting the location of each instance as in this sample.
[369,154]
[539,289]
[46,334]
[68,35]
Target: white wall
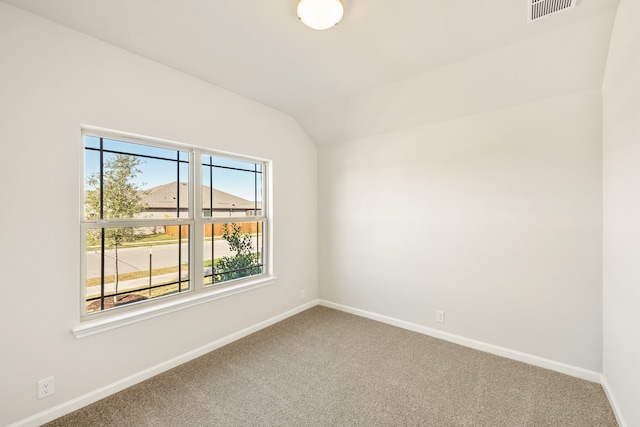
[494,218]
[52,80]
[621,266]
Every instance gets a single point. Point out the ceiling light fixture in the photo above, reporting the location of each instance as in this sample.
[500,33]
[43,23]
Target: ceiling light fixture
[320,14]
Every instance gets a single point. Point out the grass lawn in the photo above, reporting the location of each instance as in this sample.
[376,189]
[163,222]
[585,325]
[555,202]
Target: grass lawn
[147,240]
[95,281]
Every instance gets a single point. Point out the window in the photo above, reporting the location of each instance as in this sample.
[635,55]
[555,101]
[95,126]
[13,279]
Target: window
[233,248]
[162,219]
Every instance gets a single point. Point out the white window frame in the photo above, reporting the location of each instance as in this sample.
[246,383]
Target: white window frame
[199,293]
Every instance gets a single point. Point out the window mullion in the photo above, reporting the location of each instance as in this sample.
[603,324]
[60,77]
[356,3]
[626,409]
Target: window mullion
[195,208]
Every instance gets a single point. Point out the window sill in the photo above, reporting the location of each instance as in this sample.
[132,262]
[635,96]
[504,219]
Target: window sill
[118,320]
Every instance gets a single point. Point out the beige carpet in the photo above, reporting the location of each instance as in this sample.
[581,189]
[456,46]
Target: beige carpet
[327,368]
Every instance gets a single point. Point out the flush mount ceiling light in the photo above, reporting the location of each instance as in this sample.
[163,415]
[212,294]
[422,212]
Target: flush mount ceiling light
[320,14]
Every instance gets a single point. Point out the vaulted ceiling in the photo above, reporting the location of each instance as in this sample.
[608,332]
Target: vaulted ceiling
[388,64]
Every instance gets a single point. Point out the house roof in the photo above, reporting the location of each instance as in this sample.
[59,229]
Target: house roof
[165,196]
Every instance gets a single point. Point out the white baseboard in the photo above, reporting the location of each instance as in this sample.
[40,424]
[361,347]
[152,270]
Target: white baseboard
[553,365]
[91,397]
[613,402]
[101,393]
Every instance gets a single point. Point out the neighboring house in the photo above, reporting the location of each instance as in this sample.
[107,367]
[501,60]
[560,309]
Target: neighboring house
[162,202]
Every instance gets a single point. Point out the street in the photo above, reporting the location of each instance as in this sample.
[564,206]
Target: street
[137,259]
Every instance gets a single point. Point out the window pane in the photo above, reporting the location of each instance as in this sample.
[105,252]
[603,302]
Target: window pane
[231,187]
[232,251]
[139,263]
[125,180]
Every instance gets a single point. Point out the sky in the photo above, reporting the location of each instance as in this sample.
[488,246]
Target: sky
[161,167]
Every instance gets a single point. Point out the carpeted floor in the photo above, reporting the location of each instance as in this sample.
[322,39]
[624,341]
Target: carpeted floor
[324,367]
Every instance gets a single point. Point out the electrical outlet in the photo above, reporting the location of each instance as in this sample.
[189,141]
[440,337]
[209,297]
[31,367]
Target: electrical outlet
[439,316]
[46,387]
[302,294]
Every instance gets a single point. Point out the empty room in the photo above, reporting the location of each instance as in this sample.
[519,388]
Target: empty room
[320,212]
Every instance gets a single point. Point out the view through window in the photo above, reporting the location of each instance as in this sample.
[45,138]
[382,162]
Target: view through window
[158,222]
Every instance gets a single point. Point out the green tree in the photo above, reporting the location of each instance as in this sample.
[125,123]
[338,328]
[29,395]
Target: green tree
[121,199]
[244,262]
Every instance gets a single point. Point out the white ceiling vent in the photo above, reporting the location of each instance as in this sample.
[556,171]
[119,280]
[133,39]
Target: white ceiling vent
[541,8]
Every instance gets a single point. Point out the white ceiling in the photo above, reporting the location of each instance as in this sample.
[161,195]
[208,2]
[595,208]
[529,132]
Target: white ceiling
[259,49]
